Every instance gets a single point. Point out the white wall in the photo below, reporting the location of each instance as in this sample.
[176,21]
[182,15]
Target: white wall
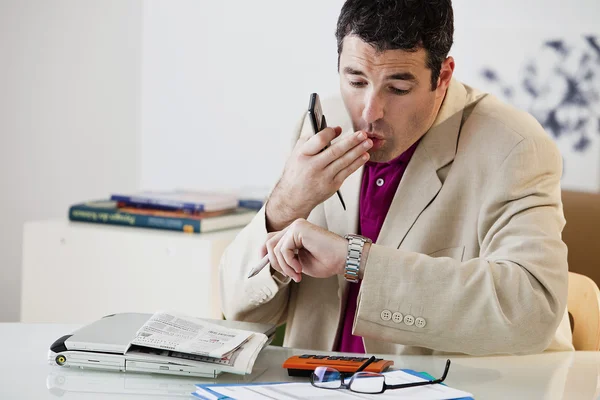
[224,81]
[69,114]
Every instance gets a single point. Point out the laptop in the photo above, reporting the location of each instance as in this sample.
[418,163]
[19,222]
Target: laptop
[102,344]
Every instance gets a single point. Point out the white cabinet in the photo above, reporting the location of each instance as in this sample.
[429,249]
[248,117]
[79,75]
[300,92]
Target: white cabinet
[78,272]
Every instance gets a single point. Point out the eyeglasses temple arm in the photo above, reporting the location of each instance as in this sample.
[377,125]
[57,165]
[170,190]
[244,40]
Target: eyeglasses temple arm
[445,374]
[413,384]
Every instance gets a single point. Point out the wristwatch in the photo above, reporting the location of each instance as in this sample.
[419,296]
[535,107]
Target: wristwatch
[356,244]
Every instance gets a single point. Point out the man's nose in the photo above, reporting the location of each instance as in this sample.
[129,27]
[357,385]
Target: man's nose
[374,108]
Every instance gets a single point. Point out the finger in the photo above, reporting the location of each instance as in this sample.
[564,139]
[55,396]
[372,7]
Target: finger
[270,244]
[285,267]
[316,143]
[338,130]
[342,147]
[349,157]
[263,249]
[289,247]
[341,176]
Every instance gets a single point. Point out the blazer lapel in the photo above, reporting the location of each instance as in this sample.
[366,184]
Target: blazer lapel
[348,219]
[418,187]
[351,192]
[420,183]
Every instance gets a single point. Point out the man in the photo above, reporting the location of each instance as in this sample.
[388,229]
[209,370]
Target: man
[459,193]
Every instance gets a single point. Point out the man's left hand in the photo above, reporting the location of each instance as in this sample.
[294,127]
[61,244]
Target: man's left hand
[305,248]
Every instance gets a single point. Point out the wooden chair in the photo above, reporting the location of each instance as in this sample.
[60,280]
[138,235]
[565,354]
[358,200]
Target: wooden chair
[584,307]
[582,212]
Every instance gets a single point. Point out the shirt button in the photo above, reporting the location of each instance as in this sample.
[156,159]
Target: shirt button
[420,322]
[397,317]
[409,320]
[386,315]
[379,182]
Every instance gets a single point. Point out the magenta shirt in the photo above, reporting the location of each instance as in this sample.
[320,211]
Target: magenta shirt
[379,184]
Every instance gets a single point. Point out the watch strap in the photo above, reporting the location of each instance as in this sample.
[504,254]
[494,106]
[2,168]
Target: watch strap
[356,244]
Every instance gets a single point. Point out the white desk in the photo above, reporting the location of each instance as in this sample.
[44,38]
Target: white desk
[25,374]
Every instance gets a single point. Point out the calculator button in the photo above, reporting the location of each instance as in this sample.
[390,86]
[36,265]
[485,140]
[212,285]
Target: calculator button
[319,357]
[306,356]
[334,358]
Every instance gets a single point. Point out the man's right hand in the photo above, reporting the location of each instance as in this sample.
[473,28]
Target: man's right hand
[312,175]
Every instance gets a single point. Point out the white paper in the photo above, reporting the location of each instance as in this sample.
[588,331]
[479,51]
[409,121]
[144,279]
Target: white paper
[302,391]
[171,331]
[205,394]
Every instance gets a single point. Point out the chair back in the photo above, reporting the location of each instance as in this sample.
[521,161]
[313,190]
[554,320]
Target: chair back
[584,307]
[582,212]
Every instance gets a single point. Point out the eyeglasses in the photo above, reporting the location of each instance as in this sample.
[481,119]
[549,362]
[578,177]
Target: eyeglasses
[363,382]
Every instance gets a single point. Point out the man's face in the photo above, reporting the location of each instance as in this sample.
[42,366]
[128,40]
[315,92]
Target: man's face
[388,95]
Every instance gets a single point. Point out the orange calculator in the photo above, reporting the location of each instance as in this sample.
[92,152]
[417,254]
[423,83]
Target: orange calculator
[305,364]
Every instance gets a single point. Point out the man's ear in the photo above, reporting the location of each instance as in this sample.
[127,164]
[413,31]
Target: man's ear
[446,73]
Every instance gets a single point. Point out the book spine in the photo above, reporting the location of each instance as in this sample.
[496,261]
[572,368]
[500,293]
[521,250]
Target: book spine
[251,204]
[111,217]
[159,203]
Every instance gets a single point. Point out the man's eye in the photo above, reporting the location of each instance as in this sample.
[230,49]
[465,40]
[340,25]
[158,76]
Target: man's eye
[399,91]
[357,83]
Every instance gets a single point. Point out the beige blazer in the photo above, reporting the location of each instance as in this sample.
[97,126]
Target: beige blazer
[469,259]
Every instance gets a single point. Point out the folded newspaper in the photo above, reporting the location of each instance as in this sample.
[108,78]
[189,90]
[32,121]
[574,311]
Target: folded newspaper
[185,340]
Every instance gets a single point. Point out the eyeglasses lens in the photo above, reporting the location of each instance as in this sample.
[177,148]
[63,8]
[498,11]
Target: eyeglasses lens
[367,382]
[327,378]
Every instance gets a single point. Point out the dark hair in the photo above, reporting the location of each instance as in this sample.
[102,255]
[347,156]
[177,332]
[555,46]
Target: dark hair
[400,24]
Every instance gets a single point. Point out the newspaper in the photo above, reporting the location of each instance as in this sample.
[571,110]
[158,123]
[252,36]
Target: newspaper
[171,331]
[239,362]
[184,340]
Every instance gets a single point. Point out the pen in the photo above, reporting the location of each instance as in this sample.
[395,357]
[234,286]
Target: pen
[259,267]
[342,200]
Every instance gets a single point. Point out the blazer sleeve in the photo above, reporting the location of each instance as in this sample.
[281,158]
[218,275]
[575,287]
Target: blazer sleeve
[263,298]
[511,298]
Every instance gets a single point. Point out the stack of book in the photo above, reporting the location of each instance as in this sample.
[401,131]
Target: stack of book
[180,210]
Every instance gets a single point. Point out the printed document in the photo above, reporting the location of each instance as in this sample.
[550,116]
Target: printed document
[302,391]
